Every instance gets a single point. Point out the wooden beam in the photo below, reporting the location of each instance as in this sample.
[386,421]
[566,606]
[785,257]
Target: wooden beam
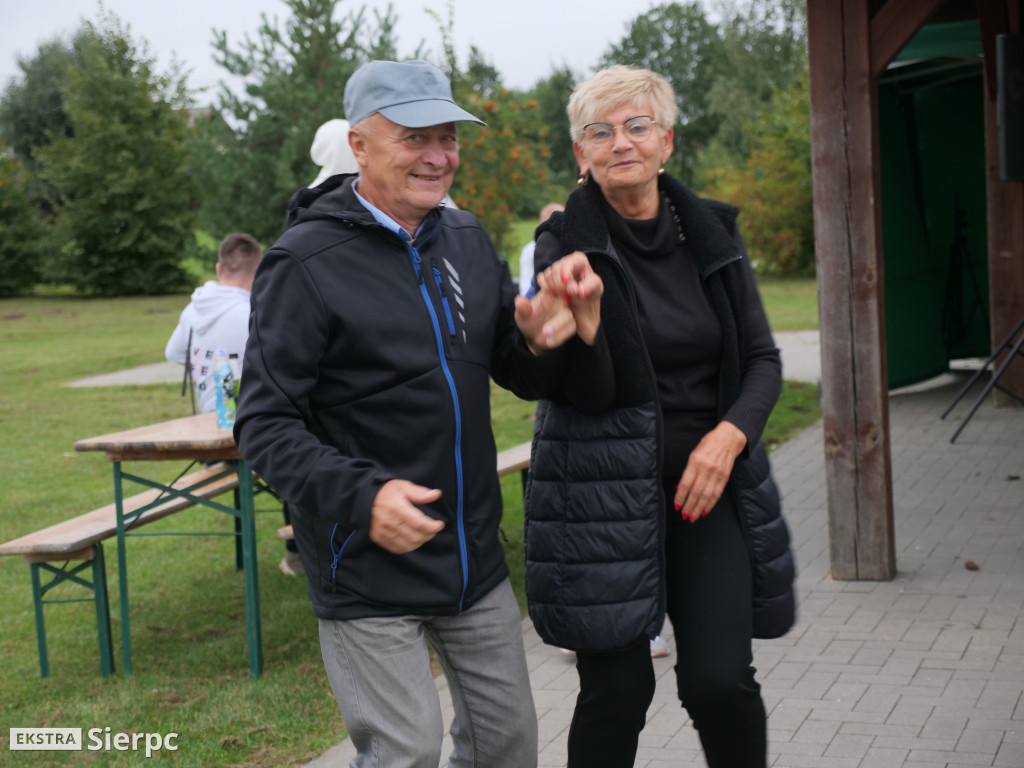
[894,24]
[1005,227]
[848,247]
[993,19]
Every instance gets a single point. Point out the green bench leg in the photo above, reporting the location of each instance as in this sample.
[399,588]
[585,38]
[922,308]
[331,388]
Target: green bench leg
[103,636]
[239,556]
[37,602]
[98,587]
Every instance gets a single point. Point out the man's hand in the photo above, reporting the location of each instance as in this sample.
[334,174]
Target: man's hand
[581,287]
[396,524]
[545,321]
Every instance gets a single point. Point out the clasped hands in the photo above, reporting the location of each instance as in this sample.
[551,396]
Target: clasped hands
[567,303]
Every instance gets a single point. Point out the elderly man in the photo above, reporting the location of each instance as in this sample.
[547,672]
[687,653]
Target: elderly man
[377,320]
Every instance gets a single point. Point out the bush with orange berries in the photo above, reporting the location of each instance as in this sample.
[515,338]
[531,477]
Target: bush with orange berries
[503,170]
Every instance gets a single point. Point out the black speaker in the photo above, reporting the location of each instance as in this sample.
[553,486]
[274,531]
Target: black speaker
[1010,105]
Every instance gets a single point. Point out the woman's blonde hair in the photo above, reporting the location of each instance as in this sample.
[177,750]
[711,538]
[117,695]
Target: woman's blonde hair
[617,85]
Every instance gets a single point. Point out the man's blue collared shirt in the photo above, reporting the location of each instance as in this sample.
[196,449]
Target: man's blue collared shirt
[382,217]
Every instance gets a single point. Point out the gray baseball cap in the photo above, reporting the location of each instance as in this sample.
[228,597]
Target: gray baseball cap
[414,94]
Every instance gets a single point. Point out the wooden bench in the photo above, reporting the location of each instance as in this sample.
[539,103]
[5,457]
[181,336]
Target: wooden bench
[514,459]
[81,539]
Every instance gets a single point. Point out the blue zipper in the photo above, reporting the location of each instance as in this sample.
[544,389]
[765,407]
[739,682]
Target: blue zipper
[337,555]
[460,491]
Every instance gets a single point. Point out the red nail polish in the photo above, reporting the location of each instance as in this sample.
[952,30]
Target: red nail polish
[678,506]
[564,279]
[584,293]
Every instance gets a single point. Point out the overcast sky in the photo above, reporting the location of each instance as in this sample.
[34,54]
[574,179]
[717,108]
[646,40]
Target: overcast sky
[523,39]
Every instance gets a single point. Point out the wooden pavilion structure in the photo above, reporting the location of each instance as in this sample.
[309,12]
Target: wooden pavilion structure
[851,43]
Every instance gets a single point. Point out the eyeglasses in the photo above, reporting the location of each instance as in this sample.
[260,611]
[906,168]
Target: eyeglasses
[637,130]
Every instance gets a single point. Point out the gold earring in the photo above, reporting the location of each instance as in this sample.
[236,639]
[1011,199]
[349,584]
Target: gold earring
[581,180]
[661,171]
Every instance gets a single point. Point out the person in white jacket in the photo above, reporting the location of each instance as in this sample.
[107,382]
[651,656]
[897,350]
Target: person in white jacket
[526,286]
[217,317]
[330,150]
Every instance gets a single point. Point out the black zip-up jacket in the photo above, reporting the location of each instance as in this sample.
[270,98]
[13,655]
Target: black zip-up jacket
[369,359]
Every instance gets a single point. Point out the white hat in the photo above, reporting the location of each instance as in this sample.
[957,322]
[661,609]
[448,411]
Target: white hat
[331,151]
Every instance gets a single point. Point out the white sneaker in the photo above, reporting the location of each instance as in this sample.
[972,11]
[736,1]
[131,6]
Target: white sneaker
[659,648]
[291,565]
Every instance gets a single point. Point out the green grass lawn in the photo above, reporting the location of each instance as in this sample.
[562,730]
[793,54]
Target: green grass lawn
[792,305]
[522,233]
[187,601]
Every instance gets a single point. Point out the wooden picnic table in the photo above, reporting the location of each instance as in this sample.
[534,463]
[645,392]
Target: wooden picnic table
[195,439]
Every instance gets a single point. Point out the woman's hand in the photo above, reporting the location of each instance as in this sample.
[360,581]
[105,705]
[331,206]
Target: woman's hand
[572,278]
[708,470]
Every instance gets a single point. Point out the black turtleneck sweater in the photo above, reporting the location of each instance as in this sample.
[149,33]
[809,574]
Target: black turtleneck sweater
[679,327]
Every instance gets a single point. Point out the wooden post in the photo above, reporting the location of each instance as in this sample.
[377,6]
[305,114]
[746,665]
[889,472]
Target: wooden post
[1005,203]
[847,225]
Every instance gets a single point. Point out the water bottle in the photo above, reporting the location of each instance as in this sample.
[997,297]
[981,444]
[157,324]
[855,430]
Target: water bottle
[236,381]
[236,374]
[225,387]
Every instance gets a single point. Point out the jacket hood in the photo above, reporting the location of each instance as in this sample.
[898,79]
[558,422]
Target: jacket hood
[211,301]
[333,198]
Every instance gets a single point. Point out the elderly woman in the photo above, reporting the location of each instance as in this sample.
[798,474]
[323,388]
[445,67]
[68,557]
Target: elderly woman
[638,501]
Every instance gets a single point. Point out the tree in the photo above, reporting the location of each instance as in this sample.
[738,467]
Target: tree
[677,41]
[32,109]
[257,153]
[766,48]
[760,157]
[503,165]
[124,206]
[773,188]
[552,96]
[21,229]
[502,174]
